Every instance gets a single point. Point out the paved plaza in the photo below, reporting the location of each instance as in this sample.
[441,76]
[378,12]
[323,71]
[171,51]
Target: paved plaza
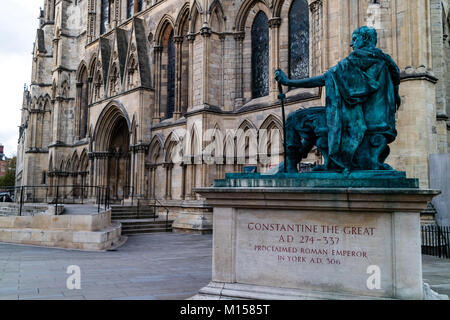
[436,272]
[162,266]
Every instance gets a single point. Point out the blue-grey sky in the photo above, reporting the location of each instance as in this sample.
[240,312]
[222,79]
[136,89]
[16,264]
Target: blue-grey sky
[17,33]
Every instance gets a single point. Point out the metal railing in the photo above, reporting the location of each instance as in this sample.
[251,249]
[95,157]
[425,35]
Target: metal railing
[436,241]
[57,195]
[155,204]
[167,212]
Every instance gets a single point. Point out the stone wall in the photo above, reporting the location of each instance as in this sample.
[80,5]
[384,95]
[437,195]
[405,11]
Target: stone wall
[440,180]
[12,209]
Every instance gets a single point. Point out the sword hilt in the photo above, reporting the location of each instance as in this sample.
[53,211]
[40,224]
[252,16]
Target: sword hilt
[281,95]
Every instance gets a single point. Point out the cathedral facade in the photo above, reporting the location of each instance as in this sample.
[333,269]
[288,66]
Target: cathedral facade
[130,94]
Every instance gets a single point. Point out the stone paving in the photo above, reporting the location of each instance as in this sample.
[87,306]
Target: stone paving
[161,266]
[436,272]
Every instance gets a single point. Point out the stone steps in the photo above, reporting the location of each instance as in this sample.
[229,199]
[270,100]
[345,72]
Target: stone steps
[133,227]
[140,221]
[132,212]
[145,231]
[140,225]
[132,216]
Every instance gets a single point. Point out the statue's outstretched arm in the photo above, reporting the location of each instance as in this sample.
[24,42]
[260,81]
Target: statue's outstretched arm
[313,82]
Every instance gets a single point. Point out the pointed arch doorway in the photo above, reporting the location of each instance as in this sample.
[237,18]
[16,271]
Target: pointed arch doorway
[112,145]
[119,161]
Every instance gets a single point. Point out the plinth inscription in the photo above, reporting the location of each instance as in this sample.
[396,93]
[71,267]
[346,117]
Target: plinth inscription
[294,239]
[326,251]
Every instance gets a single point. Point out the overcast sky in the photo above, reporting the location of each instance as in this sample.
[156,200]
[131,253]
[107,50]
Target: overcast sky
[17,33]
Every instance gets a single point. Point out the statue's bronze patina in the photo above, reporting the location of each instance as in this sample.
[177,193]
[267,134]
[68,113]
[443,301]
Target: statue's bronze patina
[353,131]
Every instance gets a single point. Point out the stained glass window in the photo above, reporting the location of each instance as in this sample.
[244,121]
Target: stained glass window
[130,8]
[104,16]
[299,40]
[171,77]
[260,56]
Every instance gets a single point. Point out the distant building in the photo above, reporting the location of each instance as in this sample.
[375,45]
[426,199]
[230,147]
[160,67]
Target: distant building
[4,162]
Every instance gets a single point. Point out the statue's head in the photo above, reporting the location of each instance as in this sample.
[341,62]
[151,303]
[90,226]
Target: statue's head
[364,37]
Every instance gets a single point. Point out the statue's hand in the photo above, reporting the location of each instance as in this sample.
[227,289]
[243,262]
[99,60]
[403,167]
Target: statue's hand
[281,77]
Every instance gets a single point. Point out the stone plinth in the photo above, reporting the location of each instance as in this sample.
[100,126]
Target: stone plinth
[321,179]
[83,232]
[193,217]
[316,243]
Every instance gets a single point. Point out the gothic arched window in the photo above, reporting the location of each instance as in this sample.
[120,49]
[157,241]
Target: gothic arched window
[83,99]
[171,76]
[299,39]
[104,16]
[130,8]
[260,56]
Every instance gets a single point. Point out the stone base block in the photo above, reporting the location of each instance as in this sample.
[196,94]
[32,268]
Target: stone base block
[238,291]
[320,179]
[311,243]
[80,240]
[193,222]
[82,232]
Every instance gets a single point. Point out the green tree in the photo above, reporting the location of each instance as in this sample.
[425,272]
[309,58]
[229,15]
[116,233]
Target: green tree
[9,179]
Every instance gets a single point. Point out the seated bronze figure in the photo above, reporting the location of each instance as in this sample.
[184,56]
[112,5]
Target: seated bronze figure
[353,131]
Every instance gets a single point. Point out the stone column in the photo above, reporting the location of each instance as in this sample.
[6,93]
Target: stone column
[168,167]
[116,173]
[183,181]
[274,63]
[316,36]
[139,169]
[95,168]
[191,39]
[179,64]
[205,31]
[133,173]
[191,178]
[239,47]
[154,181]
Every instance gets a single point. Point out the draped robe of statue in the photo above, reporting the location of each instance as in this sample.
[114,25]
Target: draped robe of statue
[361,97]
